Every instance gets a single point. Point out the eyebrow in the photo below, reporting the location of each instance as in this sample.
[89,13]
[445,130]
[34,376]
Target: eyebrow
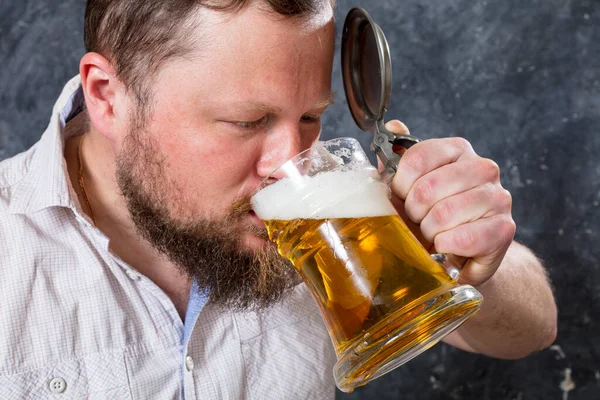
[253,106]
[326,102]
[322,104]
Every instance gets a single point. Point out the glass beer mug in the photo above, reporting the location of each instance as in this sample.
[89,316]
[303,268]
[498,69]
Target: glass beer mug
[383,298]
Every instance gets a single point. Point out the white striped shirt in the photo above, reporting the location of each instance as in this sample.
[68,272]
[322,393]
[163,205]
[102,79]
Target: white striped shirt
[78,322]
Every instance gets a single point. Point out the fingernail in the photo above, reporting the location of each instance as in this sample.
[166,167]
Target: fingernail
[397,127]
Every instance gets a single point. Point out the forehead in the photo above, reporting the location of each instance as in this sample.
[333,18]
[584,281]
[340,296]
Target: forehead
[257,55]
[257,35]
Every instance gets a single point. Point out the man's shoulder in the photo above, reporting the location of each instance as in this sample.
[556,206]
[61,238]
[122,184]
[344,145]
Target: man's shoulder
[14,169]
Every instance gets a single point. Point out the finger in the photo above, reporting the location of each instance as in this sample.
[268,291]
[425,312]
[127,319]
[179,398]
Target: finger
[447,181]
[398,204]
[480,202]
[485,241]
[397,127]
[425,157]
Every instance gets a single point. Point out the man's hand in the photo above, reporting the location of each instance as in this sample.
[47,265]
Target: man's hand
[457,199]
[451,197]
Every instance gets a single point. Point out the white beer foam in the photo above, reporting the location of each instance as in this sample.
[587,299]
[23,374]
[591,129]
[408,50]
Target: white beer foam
[336,194]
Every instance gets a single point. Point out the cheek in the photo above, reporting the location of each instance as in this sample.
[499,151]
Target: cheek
[209,172]
[311,135]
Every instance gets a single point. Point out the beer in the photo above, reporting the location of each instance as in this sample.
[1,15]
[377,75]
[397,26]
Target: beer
[372,279]
[372,269]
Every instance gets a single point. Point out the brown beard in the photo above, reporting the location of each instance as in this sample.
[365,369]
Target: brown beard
[207,250]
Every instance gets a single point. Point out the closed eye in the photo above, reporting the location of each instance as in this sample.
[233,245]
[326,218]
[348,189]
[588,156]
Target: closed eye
[252,124]
[310,118]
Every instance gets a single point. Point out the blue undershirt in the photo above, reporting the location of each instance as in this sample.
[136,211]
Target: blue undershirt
[196,303]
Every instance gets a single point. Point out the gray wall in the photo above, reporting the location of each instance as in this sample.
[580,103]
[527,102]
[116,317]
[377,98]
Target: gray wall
[519,78]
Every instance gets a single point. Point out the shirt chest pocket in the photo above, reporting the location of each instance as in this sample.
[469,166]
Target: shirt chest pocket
[96,376]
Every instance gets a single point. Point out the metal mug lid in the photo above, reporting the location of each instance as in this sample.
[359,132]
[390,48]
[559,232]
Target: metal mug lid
[366,69]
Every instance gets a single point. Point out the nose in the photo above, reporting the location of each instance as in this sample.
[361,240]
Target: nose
[279,147]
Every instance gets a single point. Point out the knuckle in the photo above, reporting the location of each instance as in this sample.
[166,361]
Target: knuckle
[415,159]
[464,239]
[462,144]
[490,168]
[505,199]
[507,229]
[423,191]
[442,213]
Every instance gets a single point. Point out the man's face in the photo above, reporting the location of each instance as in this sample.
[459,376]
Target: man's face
[223,118]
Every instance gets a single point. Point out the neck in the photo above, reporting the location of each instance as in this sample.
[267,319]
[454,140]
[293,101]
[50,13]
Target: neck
[98,171]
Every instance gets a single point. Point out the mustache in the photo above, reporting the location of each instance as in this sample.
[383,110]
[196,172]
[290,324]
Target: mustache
[240,207]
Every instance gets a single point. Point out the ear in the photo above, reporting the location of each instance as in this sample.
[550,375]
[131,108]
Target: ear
[103,92]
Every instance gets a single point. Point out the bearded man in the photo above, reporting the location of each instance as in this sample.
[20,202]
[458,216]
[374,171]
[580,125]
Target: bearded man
[132,264]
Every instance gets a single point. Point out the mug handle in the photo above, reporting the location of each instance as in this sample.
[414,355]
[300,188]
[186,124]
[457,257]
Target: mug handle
[451,263]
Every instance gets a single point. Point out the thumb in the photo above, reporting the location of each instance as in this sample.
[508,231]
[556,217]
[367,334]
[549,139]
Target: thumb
[397,127]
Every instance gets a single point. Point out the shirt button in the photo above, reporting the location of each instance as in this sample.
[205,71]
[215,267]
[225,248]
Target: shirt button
[58,385]
[133,275]
[189,363]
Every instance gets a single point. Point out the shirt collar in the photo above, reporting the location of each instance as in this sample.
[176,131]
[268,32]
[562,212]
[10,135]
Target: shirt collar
[46,183]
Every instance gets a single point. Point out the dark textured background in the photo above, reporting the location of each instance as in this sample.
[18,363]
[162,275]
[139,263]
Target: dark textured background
[519,78]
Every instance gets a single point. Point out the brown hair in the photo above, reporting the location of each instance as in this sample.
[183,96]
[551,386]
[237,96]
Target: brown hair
[138,36]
